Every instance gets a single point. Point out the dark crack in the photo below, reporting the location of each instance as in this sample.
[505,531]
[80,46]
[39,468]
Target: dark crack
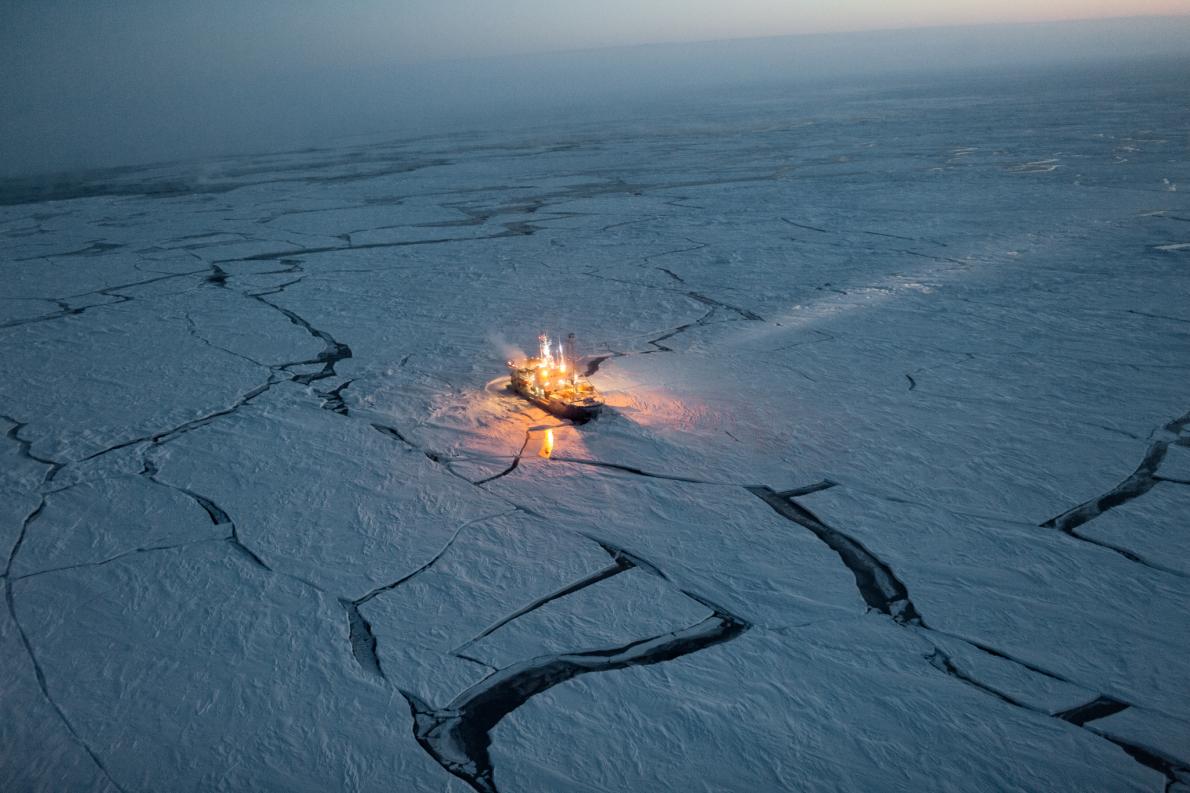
[476,661]
[742,312]
[68,309]
[427,565]
[882,591]
[994,653]
[218,276]
[20,540]
[26,449]
[806,490]
[1080,716]
[1173,769]
[96,248]
[906,239]
[677,331]
[1158,316]
[878,585]
[1098,708]
[430,454]
[363,639]
[633,470]
[126,554]
[217,514]
[921,255]
[192,326]
[943,663]
[804,226]
[28,645]
[1139,482]
[671,274]
[333,400]
[620,564]
[511,229]
[698,246]
[65,310]
[330,355]
[393,432]
[458,736]
[513,466]
[39,673]
[214,511]
[705,319]
[594,364]
[123,181]
[165,436]
[1172,481]
[713,306]
[333,351]
[906,251]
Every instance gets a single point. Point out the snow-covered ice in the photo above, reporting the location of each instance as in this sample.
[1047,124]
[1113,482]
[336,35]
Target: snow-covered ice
[891,491]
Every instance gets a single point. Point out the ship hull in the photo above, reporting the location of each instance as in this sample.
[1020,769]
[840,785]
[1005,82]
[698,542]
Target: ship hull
[579,414]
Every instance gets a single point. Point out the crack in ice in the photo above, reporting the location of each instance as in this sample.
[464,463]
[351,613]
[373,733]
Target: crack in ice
[1139,482]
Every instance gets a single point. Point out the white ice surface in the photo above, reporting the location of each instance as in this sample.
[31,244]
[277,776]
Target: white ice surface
[107,518]
[1033,593]
[261,478]
[838,706]
[234,646]
[1155,527]
[1176,464]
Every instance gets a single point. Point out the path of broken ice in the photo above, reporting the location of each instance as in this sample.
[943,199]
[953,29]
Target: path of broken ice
[890,494]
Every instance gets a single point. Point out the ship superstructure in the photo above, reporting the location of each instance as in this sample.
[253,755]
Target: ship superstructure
[551,381]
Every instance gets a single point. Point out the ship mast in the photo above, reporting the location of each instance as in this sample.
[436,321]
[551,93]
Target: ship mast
[571,355]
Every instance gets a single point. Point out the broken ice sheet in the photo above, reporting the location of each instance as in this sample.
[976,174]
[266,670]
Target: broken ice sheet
[1176,464]
[837,705]
[1098,620]
[258,667]
[1154,526]
[322,497]
[845,422]
[490,570]
[20,477]
[1011,679]
[136,375]
[38,745]
[94,521]
[1159,733]
[625,607]
[268,337]
[963,363]
[717,541]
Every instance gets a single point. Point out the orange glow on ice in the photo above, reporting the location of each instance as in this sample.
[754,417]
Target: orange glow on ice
[547,448]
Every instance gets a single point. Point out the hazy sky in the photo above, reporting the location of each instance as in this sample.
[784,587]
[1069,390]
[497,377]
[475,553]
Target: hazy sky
[452,28]
[98,82]
[255,33]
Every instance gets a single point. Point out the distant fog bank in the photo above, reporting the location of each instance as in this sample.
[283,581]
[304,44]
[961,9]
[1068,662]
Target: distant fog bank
[61,114]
